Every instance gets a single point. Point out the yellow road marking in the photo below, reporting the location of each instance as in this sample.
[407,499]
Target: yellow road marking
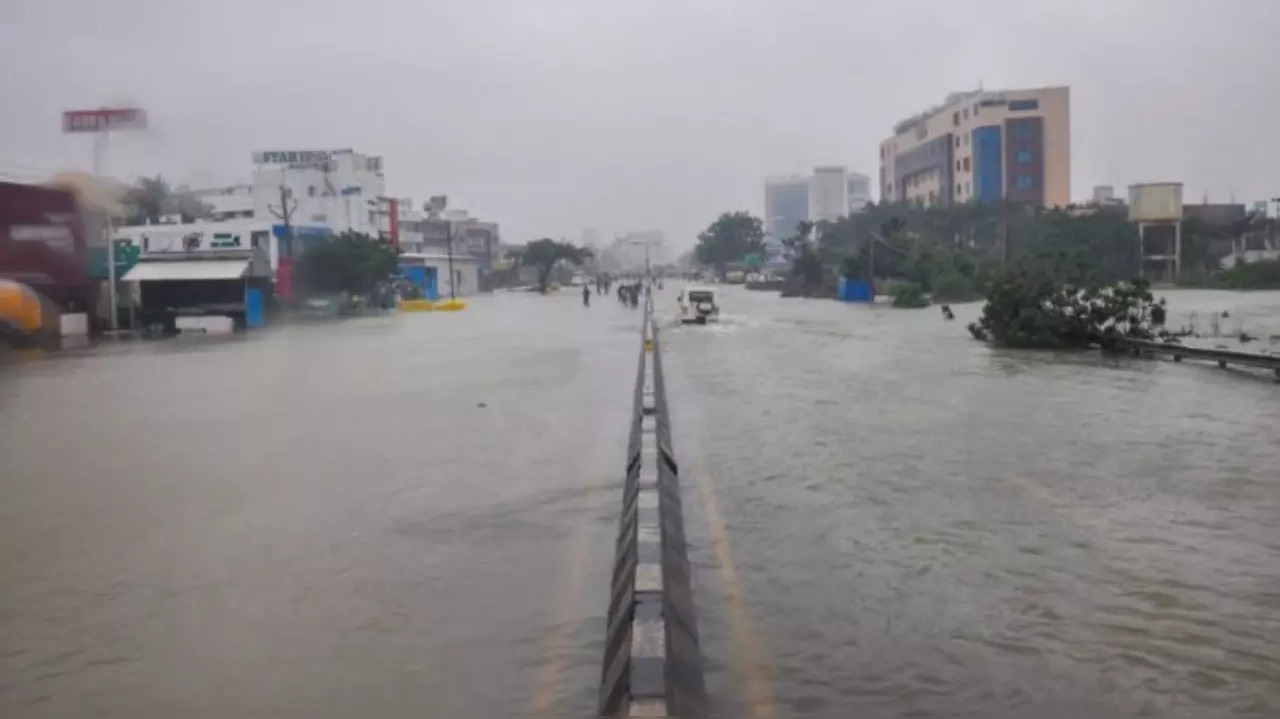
[758,674]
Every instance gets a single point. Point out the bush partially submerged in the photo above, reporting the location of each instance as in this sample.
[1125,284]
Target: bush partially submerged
[1028,309]
[909,295]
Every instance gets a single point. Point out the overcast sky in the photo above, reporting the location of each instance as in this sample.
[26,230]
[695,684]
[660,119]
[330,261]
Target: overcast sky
[550,116]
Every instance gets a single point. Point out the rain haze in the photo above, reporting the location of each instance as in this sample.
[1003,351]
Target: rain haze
[649,358]
[555,116]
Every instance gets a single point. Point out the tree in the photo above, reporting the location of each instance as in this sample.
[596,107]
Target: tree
[729,239]
[806,266]
[909,295]
[351,262]
[546,252]
[186,205]
[146,200]
[1027,307]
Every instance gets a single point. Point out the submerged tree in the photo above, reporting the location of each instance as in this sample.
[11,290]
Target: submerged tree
[1027,307]
[350,262]
[545,253]
[730,238]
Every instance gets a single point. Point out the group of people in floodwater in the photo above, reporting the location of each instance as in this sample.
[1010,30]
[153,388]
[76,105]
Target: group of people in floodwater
[629,293]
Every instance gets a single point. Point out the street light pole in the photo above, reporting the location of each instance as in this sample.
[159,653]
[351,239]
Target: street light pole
[448,233]
[99,162]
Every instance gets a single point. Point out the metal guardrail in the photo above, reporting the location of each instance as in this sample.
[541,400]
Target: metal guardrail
[652,661]
[1221,356]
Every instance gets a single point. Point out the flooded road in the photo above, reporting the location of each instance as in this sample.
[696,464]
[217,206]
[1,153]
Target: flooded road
[884,518]
[318,520]
[920,526]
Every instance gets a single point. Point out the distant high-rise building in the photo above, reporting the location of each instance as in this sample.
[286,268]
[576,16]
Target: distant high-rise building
[629,250]
[786,204]
[829,193]
[985,146]
[859,192]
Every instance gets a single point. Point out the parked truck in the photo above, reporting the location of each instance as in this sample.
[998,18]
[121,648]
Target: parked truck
[42,246]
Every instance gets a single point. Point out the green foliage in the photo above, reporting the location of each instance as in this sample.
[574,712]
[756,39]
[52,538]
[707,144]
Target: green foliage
[853,266]
[1261,275]
[730,238]
[1027,307]
[351,262]
[145,201]
[807,267]
[151,197]
[545,253]
[910,295]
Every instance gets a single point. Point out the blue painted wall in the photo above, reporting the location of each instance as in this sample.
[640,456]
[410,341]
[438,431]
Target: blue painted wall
[254,308]
[988,164]
[852,289]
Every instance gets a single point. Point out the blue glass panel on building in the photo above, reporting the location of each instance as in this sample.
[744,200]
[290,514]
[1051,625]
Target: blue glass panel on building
[1017,105]
[1024,156]
[988,164]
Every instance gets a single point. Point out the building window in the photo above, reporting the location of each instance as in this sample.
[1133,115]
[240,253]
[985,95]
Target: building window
[1024,156]
[966,113]
[957,141]
[1032,104]
[957,165]
[966,164]
[957,188]
[933,197]
[955,118]
[975,109]
[1022,182]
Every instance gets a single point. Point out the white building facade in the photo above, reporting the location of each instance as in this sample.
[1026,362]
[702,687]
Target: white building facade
[829,193]
[338,189]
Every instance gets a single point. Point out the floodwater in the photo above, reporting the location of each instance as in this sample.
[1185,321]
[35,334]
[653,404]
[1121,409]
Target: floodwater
[415,515]
[917,525]
[317,520]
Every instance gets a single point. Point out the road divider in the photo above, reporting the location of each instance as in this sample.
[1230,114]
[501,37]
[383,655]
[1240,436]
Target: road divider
[652,661]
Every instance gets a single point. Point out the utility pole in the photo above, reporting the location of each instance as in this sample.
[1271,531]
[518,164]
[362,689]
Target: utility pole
[448,225]
[871,269]
[1004,232]
[287,207]
[99,162]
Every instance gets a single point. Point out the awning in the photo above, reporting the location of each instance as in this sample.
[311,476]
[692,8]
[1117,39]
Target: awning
[189,270]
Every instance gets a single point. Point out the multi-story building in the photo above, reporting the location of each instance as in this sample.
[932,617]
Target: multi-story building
[859,192]
[983,146]
[786,204]
[829,193]
[231,202]
[339,189]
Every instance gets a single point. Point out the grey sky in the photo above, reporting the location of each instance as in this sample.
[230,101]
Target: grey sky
[552,116]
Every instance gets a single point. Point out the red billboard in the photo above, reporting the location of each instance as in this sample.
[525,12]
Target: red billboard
[42,237]
[103,119]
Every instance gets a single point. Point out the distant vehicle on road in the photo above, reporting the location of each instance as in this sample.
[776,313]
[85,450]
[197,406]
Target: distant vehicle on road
[735,277]
[578,280]
[698,306]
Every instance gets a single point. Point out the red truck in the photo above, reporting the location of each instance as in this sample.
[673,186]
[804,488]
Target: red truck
[42,243]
